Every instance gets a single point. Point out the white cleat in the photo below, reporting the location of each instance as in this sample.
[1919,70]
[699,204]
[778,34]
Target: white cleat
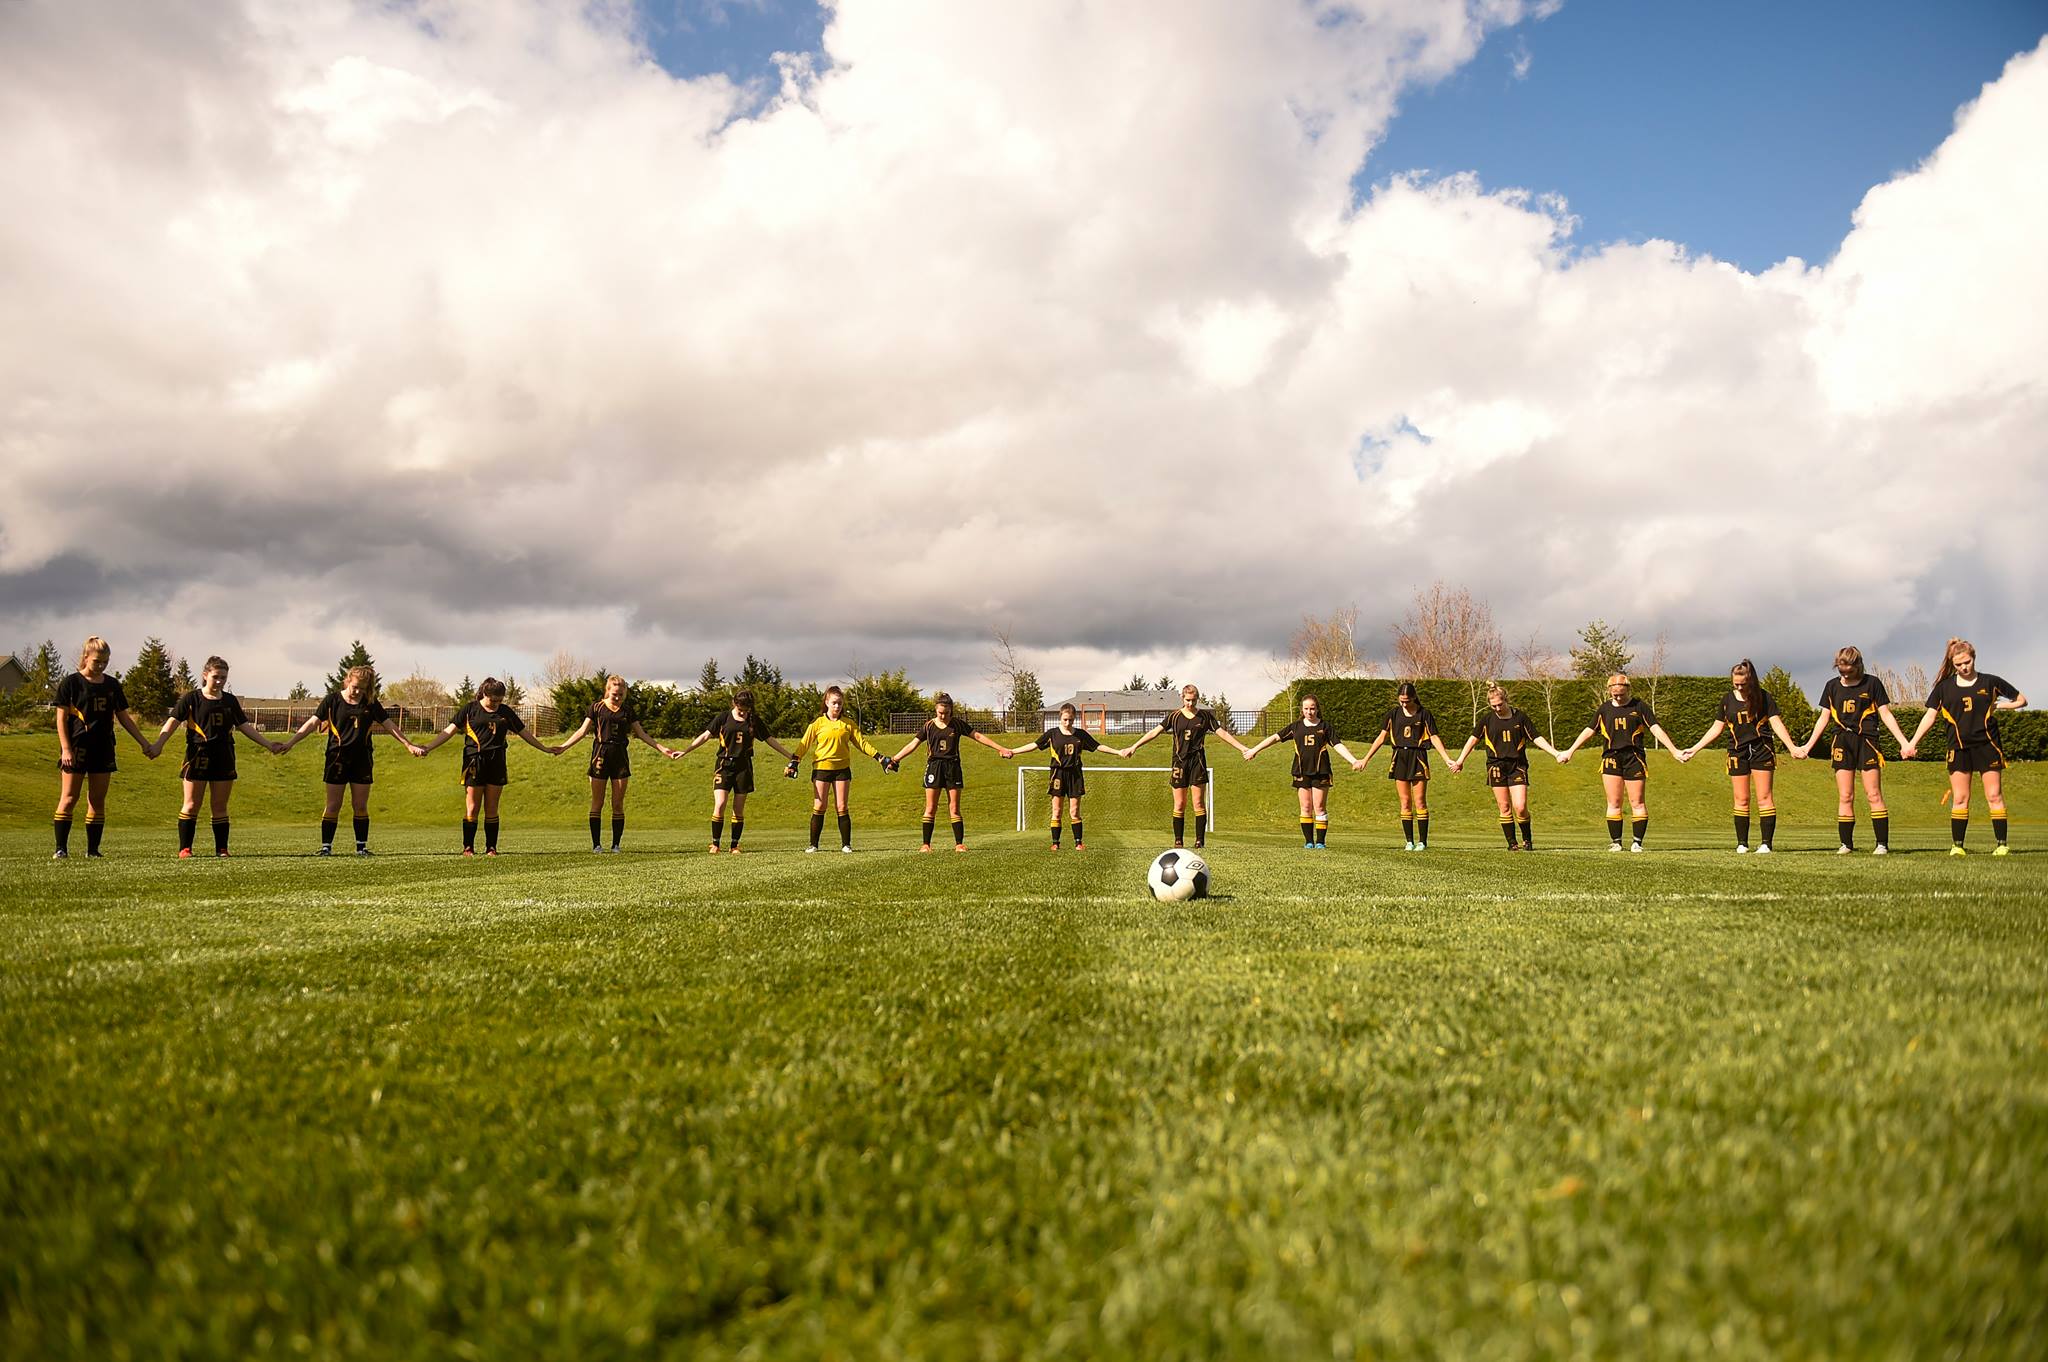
[1842,851]
[1614,846]
[1880,850]
[1741,850]
[810,851]
[1635,848]
[1407,846]
[1764,850]
[845,850]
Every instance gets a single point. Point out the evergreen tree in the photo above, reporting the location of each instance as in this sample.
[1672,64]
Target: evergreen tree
[181,679]
[1602,651]
[150,688]
[1792,702]
[299,692]
[1163,683]
[1027,701]
[708,681]
[756,673]
[465,693]
[1136,683]
[357,656]
[45,670]
[1221,705]
[515,694]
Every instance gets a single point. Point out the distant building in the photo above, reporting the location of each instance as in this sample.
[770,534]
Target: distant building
[1117,711]
[13,674]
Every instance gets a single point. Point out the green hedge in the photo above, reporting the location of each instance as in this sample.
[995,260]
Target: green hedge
[1685,705]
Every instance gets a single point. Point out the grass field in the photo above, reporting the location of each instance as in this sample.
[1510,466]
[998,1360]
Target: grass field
[1361,1104]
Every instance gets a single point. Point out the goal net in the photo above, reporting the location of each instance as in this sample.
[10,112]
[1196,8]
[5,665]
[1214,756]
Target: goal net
[1119,796]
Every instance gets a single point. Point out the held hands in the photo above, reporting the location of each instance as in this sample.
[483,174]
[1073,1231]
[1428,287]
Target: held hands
[1564,756]
[1906,752]
[789,771]
[1457,766]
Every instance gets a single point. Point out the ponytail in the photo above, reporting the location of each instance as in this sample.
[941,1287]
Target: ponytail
[1948,658]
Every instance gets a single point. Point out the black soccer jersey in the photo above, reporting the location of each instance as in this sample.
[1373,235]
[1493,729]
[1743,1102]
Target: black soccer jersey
[1506,737]
[92,706]
[1623,727]
[210,726]
[611,727]
[487,730]
[1854,704]
[349,724]
[1066,748]
[1190,734]
[1748,723]
[1403,729]
[942,741]
[735,738]
[1312,744]
[1969,706]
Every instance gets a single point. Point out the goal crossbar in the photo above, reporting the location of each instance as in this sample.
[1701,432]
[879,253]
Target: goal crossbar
[1209,789]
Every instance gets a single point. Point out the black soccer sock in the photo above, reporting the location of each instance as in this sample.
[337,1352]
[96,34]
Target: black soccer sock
[618,831]
[469,834]
[1056,833]
[1881,824]
[1201,828]
[717,830]
[1642,826]
[846,829]
[362,831]
[1308,831]
[1180,829]
[1769,830]
[188,826]
[817,829]
[1847,828]
[1614,829]
[1507,830]
[1527,839]
[327,826]
[95,828]
[1077,832]
[1323,831]
[739,826]
[61,825]
[597,822]
[1408,830]
[1998,823]
[220,836]
[1958,828]
[928,826]
[1422,827]
[1742,829]
[959,832]
[490,834]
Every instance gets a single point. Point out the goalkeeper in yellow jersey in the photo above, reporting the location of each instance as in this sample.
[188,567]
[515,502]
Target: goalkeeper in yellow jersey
[831,740]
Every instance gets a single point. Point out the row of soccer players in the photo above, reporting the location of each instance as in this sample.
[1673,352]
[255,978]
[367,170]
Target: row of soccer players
[90,703]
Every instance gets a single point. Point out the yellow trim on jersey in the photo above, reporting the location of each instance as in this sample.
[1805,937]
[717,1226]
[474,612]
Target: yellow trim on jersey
[833,741]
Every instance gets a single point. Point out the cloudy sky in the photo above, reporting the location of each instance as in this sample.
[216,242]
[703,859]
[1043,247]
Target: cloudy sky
[478,328]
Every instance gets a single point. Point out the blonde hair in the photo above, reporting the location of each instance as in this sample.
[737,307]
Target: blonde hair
[609,681]
[1850,656]
[1948,657]
[368,675]
[1618,679]
[94,647]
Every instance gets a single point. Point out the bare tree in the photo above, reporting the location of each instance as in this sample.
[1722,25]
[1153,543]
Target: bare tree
[1326,647]
[1908,687]
[1539,662]
[1653,669]
[564,666]
[417,692]
[1016,684]
[1449,633]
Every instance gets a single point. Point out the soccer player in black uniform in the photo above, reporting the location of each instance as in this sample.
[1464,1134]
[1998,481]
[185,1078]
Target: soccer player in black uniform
[1970,701]
[1750,715]
[349,717]
[1855,702]
[1411,730]
[732,774]
[487,725]
[943,733]
[1068,781]
[89,703]
[212,717]
[1313,742]
[1508,734]
[615,724]
[1190,726]
[1621,721]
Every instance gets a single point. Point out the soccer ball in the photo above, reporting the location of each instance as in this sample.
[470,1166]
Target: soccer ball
[1177,876]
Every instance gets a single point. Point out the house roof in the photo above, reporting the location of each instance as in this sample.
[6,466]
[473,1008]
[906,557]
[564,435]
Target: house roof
[13,671]
[1142,700]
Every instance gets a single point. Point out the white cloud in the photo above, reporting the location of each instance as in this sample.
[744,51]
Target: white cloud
[478,334]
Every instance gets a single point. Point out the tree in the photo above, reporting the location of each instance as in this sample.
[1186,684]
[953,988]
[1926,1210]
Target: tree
[1537,661]
[1221,705]
[1602,651]
[708,681]
[1654,669]
[149,685]
[45,670]
[872,698]
[562,666]
[1907,688]
[181,679]
[1027,702]
[1015,682]
[1135,684]
[299,691]
[1163,683]
[1448,632]
[1799,712]
[356,656]
[464,693]
[1327,648]
[756,673]
[515,694]
[417,691]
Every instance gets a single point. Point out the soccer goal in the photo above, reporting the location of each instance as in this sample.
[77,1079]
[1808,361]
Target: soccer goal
[1124,804]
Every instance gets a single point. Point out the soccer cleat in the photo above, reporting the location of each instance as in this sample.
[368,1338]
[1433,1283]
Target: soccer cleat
[925,849]
[469,851]
[184,853]
[220,855]
[324,851]
[364,851]
[1176,844]
[1880,850]
[1614,846]
[713,849]
[1764,850]
[1056,846]
[94,856]
[60,855]
[1844,851]
[810,851]
[491,852]
[734,852]
[1308,846]
[2000,850]
[846,849]
[1957,851]
[959,846]
[1079,846]
[1200,845]
[1407,846]
[1741,850]
[1635,848]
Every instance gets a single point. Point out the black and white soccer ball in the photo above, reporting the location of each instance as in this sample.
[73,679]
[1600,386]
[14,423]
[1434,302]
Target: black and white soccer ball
[1177,876]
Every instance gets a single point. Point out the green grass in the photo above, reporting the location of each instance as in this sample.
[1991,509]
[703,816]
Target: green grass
[1363,1104]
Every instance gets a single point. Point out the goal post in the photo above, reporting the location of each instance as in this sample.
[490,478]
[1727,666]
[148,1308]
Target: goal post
[1026,800]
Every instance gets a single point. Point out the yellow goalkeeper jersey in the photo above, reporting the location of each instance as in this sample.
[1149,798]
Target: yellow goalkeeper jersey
[832,741]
